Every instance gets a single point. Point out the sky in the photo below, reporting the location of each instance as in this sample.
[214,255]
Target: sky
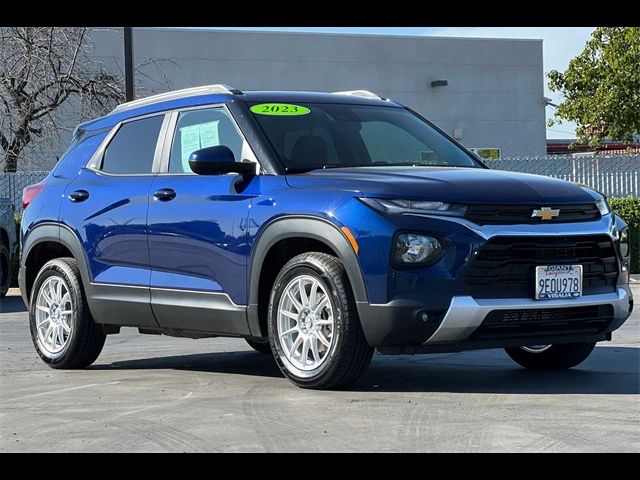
[560,45]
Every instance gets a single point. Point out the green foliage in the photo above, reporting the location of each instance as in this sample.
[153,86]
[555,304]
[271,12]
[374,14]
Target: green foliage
[601,87]
[629,209]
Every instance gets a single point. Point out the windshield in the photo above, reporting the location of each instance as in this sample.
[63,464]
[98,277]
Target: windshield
[317,135]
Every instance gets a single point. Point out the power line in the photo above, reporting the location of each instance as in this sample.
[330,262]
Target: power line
[560,131]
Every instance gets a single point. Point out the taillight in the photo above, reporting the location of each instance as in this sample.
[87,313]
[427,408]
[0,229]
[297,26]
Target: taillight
[30,193]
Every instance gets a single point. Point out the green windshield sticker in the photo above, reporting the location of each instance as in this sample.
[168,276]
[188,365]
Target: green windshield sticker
[279,109]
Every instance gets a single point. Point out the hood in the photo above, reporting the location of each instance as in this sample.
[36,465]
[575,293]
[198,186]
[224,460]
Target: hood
[456,185]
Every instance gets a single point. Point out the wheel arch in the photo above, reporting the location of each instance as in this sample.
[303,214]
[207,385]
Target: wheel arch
[315,229]
[49,234]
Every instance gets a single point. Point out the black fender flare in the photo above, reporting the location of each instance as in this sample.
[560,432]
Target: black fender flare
[316,228]
[56,233]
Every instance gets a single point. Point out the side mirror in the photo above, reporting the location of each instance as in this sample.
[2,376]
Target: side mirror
[218,160]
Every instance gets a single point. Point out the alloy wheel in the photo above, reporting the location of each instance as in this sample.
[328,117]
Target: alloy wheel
[54,313]
[305,323]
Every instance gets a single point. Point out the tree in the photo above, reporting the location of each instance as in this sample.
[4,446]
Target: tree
[601,87]
[41,70]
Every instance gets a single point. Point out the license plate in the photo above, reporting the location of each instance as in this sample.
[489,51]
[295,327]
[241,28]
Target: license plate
[558,281]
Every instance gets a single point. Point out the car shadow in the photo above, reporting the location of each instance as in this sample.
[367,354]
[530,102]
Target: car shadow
[609,370]
[238,363]
[12,304]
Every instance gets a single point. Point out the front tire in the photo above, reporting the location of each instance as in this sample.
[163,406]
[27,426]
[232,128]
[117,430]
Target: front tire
[62,329]
[552,357]
[314,329]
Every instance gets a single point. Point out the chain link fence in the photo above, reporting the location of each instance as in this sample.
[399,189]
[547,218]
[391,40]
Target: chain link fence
[615,176]
[11,185]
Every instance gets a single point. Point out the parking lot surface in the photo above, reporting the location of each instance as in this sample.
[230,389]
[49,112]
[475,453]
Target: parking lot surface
[153,393]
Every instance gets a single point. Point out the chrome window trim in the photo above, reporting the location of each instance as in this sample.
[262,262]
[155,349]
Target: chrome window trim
[167,142]
[95,162]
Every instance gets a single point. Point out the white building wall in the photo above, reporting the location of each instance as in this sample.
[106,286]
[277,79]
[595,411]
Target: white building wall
[493,98]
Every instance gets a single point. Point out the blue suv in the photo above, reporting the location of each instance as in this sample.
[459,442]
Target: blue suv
[317,226]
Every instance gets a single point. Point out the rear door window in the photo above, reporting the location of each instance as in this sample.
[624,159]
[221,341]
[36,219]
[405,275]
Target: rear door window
[132,149]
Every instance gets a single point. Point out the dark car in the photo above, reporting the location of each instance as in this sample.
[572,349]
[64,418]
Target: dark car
[319,227]
[7,243]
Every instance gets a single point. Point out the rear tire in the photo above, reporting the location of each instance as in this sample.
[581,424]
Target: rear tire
[63,340]
[556,357]
[5,270]
[260,347]
[313,291]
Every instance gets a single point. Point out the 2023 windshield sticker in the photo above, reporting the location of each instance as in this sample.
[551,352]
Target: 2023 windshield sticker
[283,109]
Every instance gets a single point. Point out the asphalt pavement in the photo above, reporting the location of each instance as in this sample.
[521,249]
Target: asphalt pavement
[155,393]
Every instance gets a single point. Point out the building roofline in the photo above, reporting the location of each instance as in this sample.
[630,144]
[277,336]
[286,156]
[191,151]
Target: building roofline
[336,34]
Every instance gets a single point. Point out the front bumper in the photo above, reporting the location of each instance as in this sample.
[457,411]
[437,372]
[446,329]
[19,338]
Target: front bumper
[407,327]
[466,314]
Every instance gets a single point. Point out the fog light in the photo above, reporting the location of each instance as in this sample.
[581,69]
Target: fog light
[411,248]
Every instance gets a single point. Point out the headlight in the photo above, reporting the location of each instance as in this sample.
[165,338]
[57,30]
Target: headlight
[603,207]
[624,243]
[411,248]
[384,205]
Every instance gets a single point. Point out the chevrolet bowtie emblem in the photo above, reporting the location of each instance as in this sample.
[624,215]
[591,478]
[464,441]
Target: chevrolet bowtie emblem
[546,213]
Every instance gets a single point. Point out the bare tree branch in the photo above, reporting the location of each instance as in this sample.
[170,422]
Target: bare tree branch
[40,70]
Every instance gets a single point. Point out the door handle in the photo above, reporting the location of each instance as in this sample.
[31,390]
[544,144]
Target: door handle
[79,196]
[165,194]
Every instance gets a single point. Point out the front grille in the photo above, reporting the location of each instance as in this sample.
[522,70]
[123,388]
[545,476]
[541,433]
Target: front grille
[548,321]
[521,214]
[505,266]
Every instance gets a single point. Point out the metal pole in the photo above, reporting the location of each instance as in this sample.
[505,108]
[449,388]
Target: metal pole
[128,64]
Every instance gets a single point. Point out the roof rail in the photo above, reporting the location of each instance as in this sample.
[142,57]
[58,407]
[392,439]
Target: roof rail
[360,93]
[176,94]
